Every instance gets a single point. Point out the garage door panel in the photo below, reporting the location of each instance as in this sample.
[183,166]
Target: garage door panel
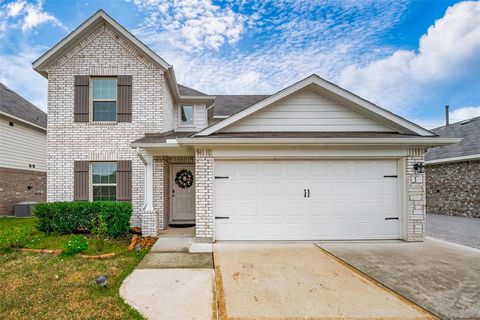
[265,200]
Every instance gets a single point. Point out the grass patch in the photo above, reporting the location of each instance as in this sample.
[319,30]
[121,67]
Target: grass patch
[22,232]
[43,286]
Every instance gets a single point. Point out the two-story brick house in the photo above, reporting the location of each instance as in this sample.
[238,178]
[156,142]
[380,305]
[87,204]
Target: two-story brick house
[312,161]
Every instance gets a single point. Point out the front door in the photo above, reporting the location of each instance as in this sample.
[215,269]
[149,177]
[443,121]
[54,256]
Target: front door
[183,193]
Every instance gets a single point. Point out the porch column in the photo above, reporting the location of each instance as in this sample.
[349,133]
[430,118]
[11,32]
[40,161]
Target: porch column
[204,182]
[149,217]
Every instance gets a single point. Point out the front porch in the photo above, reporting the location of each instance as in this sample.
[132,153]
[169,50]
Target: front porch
[178,191]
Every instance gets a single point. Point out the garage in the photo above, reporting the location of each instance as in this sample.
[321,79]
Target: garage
[307,199]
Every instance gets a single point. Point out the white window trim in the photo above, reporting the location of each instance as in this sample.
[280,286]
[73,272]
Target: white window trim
[101,100]
[91,184]
[179,115]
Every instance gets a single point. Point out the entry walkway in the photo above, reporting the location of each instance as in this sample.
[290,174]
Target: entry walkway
[172,282]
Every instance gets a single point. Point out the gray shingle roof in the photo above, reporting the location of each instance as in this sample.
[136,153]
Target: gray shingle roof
[226,105]
[16,106]
[469,130]
[162,137]
[186,91]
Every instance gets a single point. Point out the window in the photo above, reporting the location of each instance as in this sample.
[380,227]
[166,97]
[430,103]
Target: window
[104,181]
[104,96]
[186,115]
[11,124]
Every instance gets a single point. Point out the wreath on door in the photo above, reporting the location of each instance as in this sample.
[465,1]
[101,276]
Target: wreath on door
[184,179]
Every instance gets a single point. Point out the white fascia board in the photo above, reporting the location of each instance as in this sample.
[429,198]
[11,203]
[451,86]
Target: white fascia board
[420,141]
[454,159]
[42,63]
[22,120]
[323,84]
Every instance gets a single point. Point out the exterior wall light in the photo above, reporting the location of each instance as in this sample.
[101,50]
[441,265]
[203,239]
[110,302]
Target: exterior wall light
[419,167]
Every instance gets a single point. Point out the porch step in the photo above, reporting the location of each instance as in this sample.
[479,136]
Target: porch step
[176,260]
[182,244]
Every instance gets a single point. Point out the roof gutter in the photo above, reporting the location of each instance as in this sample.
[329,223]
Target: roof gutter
[22,120]
[454,159]
[420,141]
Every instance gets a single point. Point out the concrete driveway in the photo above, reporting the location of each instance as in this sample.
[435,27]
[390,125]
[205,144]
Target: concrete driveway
[443,278]
[299,281]
[461,230]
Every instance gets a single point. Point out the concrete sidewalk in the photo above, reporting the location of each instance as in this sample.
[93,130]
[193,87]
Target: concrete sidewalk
[170,283]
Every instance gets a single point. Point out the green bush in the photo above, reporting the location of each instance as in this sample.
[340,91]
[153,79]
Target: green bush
[75,245]
[71,217]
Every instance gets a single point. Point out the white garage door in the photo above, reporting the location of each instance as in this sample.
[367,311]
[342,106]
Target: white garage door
[306,200]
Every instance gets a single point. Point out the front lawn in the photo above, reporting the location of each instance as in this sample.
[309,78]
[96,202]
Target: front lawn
[45,286]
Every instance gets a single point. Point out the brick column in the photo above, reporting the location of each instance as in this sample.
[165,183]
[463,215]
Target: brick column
[415,186]
[150,217]
[204,180]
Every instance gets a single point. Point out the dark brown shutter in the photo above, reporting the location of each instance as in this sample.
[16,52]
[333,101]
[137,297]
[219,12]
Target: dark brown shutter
[124,180]
[80,180]
[124,99]
[81,104]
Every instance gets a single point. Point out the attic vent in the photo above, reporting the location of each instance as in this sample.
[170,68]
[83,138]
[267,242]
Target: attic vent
[465,122]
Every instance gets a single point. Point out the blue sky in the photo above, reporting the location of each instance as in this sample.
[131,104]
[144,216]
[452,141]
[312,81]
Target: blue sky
[411,57]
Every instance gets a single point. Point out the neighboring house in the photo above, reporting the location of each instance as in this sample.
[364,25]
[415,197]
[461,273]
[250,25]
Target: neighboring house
[453,171]
[312,161]
[23,151]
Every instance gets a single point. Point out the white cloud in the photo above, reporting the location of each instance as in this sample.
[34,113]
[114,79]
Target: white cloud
[464,113]
[288,40]
[192,24]
[448,53]
[16,73]
[25,16]
[14,8]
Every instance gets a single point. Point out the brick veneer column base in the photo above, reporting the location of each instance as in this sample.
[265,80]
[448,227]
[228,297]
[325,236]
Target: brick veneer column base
[415,186]
[204,179]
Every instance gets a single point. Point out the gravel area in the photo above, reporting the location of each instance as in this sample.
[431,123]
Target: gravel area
[460,230]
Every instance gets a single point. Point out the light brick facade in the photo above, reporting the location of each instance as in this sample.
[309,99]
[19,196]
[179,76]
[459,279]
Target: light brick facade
[204,185]
[416,197]
[102,53]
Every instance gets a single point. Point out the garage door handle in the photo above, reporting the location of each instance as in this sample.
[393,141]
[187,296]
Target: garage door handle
[304,193]
[221,218]
[392,218]
[308,195]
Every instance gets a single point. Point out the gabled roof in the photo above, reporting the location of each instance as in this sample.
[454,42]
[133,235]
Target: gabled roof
[467,149]
[187,91]
[330,91]
[42,63]
[17,107]
[227,105]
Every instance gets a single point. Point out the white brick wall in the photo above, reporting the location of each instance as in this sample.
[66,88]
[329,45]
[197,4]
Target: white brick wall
[103,52]
[204,184]
[416,197]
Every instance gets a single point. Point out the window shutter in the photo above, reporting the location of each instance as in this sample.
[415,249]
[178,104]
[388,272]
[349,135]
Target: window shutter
[80,180]
[124,180]
[81,104]
[124,99]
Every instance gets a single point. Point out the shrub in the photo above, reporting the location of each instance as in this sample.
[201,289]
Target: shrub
[70,217]
[76,244]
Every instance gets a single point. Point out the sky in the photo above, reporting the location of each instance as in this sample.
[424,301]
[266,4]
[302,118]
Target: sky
[410,57]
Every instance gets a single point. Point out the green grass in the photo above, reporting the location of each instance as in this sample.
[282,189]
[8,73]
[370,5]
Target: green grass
[44,286]
[39,240]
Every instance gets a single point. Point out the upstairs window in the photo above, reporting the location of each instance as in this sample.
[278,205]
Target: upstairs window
[104,181]
[186,116]
[104,99]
